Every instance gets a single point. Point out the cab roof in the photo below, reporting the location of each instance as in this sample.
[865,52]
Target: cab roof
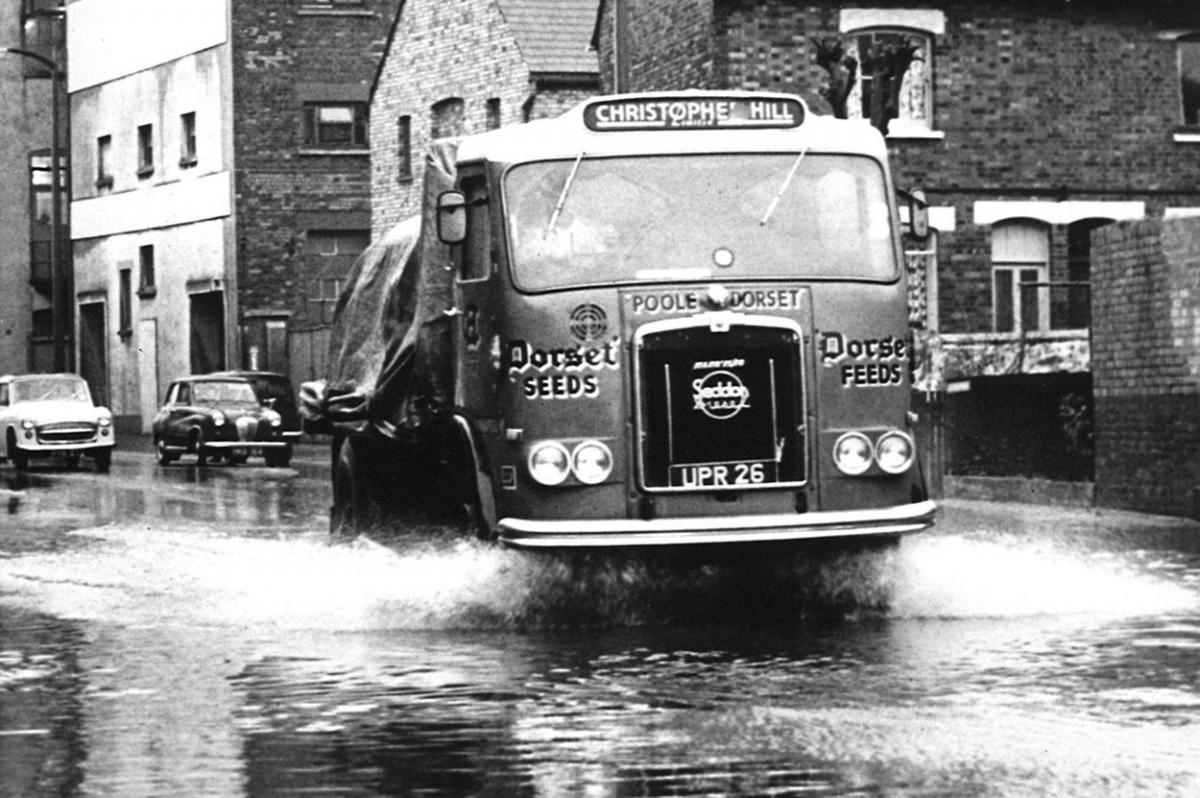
[568,135]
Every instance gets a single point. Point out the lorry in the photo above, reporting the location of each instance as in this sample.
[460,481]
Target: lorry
[673,319]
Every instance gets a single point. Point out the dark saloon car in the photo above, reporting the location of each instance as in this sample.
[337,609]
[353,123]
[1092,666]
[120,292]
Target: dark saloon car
[219,416]
[275,391]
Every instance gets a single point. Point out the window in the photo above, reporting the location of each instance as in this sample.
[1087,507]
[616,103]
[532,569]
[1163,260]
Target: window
[145,140]
[1189,78]
[912,100]
[1020,265]
[328,257]
[493,113]
[874,32]
[404,170]
[335,125]
[1077,302]
[146,285]
[187,139]
[477,252]
[447,118]
[125,318]
[104,178]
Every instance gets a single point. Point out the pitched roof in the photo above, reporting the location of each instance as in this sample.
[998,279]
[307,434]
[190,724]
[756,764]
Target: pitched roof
[555,36]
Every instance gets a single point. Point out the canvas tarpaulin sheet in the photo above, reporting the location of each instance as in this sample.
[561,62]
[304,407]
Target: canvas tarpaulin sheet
[391,347]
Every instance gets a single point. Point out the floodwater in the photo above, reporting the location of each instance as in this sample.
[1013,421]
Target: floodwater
[184,632]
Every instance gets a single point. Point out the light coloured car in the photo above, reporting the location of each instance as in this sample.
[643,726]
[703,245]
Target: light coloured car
[43,415]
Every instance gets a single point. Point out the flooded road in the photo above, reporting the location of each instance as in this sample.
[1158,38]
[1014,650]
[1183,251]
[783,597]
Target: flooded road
[178,631]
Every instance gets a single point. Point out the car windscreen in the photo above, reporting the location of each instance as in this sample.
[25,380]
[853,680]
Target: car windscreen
[43,389]
[698,217]
[223,392]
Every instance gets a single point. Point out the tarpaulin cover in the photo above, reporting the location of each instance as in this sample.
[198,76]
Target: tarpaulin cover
[391,347]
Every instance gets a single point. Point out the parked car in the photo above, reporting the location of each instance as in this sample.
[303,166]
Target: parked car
[42,415]
[276,392]
[219,416]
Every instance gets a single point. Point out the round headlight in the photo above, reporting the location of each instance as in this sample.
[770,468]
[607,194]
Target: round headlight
[895,452]
[27,424]
[218,417]
[549,463]
[852,453]
[104,421]
[591,462]
[273,418]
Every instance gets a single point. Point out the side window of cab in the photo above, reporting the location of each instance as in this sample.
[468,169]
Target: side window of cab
[477,249]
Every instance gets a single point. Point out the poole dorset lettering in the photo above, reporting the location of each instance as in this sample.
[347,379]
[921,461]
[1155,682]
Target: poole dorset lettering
[691,301]
[873,362]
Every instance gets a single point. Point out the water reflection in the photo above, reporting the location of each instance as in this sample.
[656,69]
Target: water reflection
[175,648]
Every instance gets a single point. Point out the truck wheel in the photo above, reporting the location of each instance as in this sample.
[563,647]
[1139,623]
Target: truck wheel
[103,460]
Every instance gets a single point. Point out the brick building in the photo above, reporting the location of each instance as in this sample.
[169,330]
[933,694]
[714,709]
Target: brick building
[220,183]
[1028,124]
[27,92]
[455,67]
[1146,359]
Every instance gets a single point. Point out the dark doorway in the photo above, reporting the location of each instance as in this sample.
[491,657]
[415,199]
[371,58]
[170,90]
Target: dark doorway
[93,362]
[207,316]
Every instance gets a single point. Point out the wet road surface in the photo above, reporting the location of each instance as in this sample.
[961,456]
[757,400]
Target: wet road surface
[176,631]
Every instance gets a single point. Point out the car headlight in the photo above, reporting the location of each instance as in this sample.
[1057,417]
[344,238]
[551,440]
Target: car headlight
[591,462]
[273,418]
[104,421]
[895,452]
[852,453]
[218,417]
[27,424]
[549,463]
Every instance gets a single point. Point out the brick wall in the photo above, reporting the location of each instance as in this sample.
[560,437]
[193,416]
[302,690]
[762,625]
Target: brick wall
[1146,365]
[285,53]
[1033,101]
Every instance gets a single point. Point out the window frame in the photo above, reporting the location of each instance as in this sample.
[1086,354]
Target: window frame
[104,173]
[145,150]
[927,25]
[187,140]
[147,286]
[404,166]
[311,133]
[1016,267]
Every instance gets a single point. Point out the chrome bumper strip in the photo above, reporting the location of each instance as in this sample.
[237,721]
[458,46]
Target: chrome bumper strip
[562,534]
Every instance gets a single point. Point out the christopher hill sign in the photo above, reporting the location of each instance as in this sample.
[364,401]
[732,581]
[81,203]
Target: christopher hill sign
[699,113]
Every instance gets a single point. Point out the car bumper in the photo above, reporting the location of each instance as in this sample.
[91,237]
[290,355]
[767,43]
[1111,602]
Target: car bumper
[264,445]
[780,528]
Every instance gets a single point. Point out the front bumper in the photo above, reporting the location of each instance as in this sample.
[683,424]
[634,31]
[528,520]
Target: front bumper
[264,445]
[780,528]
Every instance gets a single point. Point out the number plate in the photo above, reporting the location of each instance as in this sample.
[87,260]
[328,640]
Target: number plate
[724,475]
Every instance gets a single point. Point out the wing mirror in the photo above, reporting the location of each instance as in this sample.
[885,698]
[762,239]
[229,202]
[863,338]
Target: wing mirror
[451,217]
[918,214]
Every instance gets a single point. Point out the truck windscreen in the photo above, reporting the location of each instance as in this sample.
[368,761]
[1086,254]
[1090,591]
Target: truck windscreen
[589,221]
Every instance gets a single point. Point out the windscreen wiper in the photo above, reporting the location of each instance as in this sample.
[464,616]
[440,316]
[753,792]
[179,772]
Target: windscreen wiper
[787,181]
[562,197]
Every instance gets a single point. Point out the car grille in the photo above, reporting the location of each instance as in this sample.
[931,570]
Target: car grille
[66,432]
[247,428]
[720,408]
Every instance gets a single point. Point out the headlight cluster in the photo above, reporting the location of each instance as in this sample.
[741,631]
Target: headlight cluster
[273,418]
[218,418]
[550,462]
[893,452]
[105,424]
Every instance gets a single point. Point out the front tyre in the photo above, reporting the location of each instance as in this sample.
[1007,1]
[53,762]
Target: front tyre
[165,456]
[103,460]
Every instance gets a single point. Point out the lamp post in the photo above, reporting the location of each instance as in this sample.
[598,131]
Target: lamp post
[59,277]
